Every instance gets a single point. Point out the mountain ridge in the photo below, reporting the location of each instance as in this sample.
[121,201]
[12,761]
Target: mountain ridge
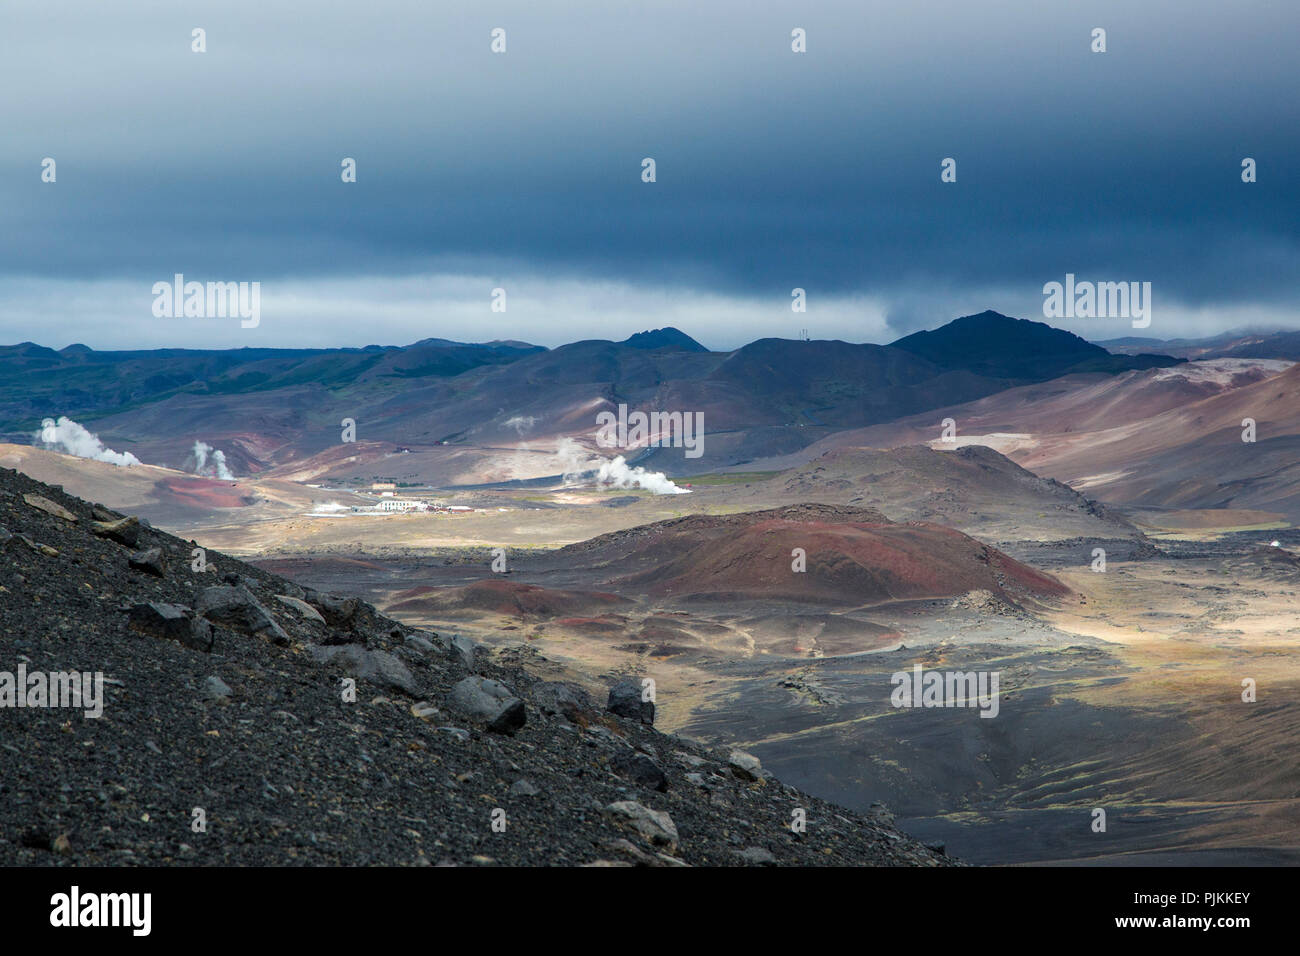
[770,396]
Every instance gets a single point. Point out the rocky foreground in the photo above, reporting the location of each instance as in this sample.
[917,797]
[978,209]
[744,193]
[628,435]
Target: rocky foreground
[246,720]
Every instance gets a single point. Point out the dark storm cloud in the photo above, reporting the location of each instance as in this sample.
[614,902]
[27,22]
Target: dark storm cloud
[775,170]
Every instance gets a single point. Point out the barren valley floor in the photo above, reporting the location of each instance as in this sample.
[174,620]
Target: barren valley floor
[1128,700]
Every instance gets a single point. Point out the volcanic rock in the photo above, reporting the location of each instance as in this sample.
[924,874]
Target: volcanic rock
[124,531]
[150,561]
[491,702]
[337,611]
[464,649]
[745,766]
[378,667]
[49,507]
[237,608]
[655,825]
[625,700]
[640,769]
[172,622]
[568,700]
[214,688]
[302,607]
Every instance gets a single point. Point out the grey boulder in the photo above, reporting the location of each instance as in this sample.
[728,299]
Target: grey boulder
[150,561]
[236,607]
[377,667]
[655,825]
[465,649]
[171,622]
[215,689]
[124,531]
[640,769]
[567,700]
[491,702]
[625,701]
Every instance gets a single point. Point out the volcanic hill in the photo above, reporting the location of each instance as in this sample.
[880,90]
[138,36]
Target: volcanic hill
[853,556]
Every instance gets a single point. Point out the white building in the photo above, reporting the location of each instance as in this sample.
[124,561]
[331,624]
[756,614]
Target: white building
[401,504]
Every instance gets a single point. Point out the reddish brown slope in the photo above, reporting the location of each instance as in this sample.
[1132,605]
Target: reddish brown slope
[854,557]
[1166,438]
[847,563]
[1073,405]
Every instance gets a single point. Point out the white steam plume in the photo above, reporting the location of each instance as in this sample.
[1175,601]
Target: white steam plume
[67,436]
[218,469]
[614,472]
[520,423]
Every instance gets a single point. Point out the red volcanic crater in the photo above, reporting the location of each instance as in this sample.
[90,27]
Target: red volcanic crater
[852,557]
[510,598]
[202,493]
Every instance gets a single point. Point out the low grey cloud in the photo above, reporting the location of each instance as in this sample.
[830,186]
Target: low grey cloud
[522,170]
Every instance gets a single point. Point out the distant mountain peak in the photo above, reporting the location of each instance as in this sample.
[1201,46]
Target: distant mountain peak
[494,344]
[991,319]
[666,338]
[1001,346]
[990,314]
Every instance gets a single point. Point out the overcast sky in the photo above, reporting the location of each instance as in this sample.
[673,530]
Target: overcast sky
[522,170]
